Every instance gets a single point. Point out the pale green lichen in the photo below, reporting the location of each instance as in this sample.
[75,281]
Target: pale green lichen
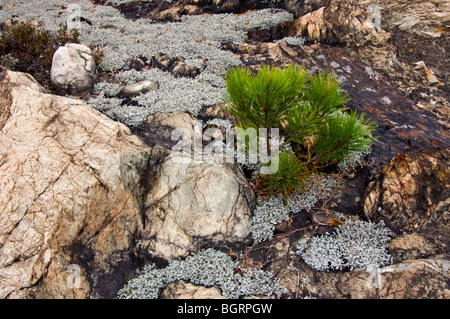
[206,268]
[354,160]
[294,41]
[355,244]
[122,39]
[269,213]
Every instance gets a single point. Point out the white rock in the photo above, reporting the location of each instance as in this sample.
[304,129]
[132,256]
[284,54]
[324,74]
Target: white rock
[73,69]
[193,200]
[141,87]
[206,200]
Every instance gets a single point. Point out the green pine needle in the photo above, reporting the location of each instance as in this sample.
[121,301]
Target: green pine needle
[308,109]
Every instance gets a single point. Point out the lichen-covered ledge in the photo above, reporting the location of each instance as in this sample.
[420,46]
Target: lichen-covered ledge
[121,40]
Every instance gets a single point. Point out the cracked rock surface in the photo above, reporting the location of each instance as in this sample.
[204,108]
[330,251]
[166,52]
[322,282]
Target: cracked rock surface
[69,194]
[191,200]
[73,69]
[82,198]
[194,202]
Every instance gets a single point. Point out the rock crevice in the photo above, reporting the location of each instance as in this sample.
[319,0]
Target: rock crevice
[80,190]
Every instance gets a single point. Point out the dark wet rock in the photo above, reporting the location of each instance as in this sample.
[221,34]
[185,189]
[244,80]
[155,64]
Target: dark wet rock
[141,9]
[137,64]
[412,48]
[159,10]
[163,11]
[401,126]
[265,35]
[175,65]
[302,7]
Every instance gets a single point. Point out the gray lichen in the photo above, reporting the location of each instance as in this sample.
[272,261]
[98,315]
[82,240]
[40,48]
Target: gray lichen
[353,160]
[110,89]
[122,40]
[317,187]
[269,213]
[355,244]
[206,268]
[295,41]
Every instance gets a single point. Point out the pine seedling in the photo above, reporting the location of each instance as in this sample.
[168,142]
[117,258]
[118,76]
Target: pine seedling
[264,100]
[344,134]
[325,93]
[311,116]
[289,177]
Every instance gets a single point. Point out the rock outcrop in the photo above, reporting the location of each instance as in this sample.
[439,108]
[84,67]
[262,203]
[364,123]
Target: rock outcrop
[193,201]
[197,202]
[70,193]
[83,199]
[410,193]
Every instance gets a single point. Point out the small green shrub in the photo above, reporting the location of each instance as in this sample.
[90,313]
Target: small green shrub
[310,114]
[264,100]
[30,49]
[344,134]
[289,177]
[29,46]
[325,93]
